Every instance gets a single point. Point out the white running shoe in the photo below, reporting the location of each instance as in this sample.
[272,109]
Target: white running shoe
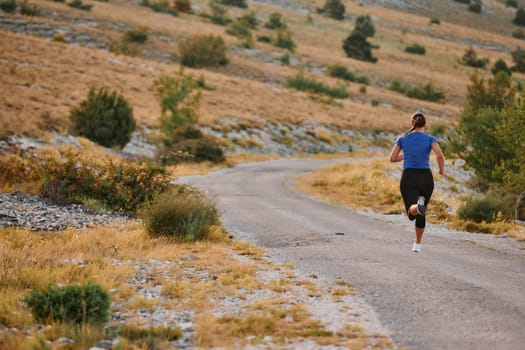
[421,205]
[416,247]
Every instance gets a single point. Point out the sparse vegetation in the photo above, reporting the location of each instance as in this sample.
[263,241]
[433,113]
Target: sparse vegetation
[301,82]
[162,6]
[426,92]
[136,35]
[519,19]
[283,39]
[275,21]
[235,3]
[475,6]
[28,9]
[203,51]
[342,72]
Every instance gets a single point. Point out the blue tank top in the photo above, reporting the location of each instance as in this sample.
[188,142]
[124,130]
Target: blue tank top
[416,148]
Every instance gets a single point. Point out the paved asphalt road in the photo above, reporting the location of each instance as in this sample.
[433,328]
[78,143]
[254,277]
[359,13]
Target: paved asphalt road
[463,291]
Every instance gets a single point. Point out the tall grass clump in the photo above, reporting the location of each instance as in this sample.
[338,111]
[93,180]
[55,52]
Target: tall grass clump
[426,92]
[300,82]
[77,304]
[180,213]
[104,117]
[203,51]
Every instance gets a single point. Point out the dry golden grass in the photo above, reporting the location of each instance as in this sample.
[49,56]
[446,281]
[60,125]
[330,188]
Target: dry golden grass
[42,80]
[353,184]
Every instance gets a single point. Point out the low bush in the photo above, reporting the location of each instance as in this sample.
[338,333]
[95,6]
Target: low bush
[193,149]
[416,49]
[300,82]
[334,9]
[28,9]
[285,60]
[275,21]
[89,303]
[357,46]
[78,4]
[519,19]
[136,35]
[500,66]
[120,187]
[425,92]
[162,6]
[475,6]
[283,39]
[470,58]
[104,117]
[8,6]
[235,3]
[250,20]
[264,38]
[488,208]
[518,34]
[344,73]
[239,29]
[181,213]
[219,14]
[435,21]
[203,50]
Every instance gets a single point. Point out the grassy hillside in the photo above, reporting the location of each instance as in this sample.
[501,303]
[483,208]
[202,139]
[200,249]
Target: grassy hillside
[42,79]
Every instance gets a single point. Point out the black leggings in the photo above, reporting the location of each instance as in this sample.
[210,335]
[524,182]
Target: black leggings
[415,183]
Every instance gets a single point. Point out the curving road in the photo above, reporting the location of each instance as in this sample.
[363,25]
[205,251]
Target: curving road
[463,291]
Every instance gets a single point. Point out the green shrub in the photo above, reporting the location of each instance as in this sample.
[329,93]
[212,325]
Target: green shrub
[416,49]
[285,60]
[120,187]
[201,149]
[356,46]
[475,6]
[250,20]
[136,35]
[435,21]
[463,1]
[518,57]
[518,34]
[203,50]
[78,4]
[264,38]
[275,21]
[375,102]
[365,26]
[500,66]
[283,39]
[89,303]
[105,118]
[239,29]
[519,19]
[425,92]
[300,82]
[180,213]
[334,9]
[219,14]
[344,73]
[470,58]
[236,3]
[162,6]
[511,3]
[488,208]
[8,6]
[28,9]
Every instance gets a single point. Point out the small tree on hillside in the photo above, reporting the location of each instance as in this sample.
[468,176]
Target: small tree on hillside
[519,19]
[470,58]
[500,66]
[334,9]
[104,117]
[203,50]
[356,46]
[365,25]
[518,56]
[179,101]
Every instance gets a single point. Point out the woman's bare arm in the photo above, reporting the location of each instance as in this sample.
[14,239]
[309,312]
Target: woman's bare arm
[440,158]
[396,155]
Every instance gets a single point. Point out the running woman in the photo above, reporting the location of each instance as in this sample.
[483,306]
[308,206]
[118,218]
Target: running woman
[417,182]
